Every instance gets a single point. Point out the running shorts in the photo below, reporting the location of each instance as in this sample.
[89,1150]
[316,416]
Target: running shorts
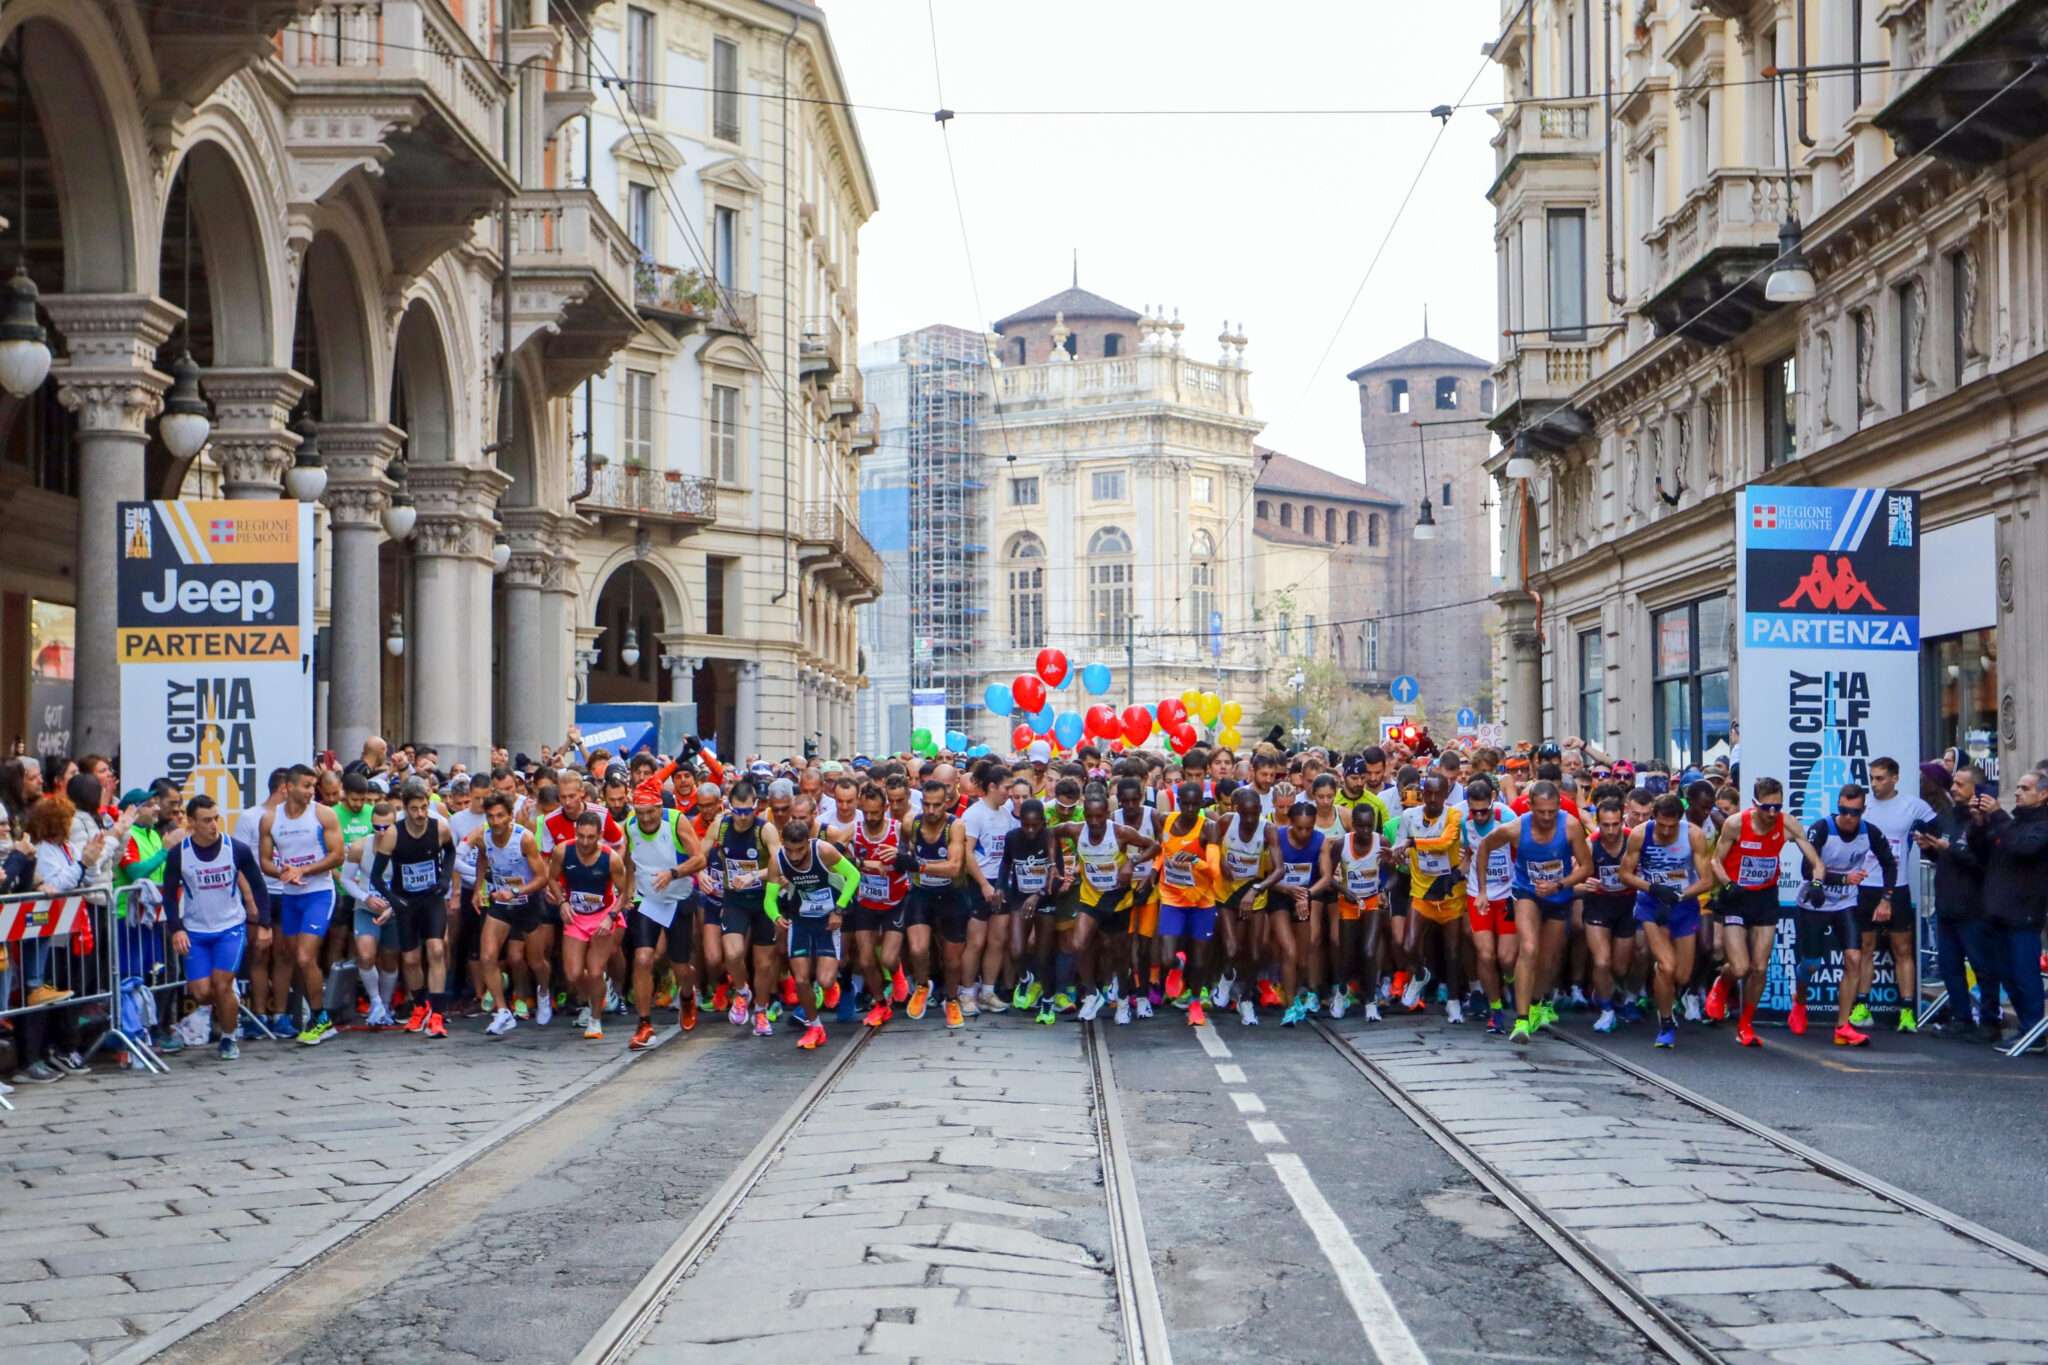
[1752,907]
[522,914]
[1681,921]
[386,934]
[925,905]
[812,936]
[1491,916]
[1197,922]
[1145,918]
[1350,911]
[1616,914]
[419,919]
[308,913]
[644,931]
[215,952]
[861,920]
[1867,898]
[1560,912]
[1108,906]
[1449,910]
[954,915]
[752,921]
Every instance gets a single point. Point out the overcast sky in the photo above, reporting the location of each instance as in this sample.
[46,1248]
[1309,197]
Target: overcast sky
[1268,219]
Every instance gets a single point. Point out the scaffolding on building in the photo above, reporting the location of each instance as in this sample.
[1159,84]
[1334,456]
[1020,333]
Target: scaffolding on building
[946,555]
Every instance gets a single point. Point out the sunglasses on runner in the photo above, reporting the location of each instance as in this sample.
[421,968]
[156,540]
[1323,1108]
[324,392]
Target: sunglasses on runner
[1770,807]
[1853,812]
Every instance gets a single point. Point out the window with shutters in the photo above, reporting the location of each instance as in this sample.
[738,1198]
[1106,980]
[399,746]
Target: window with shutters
[725,433]
[639,418]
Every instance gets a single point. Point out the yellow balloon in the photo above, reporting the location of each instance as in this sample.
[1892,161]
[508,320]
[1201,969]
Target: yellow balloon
[1233,712]
[1212,707]
[1229,738]
[1192,699]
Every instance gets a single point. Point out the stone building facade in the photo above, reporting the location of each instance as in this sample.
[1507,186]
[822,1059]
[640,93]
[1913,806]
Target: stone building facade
[1654,380]
[1327,561]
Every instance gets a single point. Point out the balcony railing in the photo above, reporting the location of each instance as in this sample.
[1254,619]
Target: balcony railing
[399,40]
[675,292]
[1560,127]
[1734,208]
[821,347]
[846,554]
[641,491]
[1164,378]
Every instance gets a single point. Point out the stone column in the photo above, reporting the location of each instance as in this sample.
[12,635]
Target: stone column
[110,343]
[533,690]
[356,454]
[1523,649]
[450,636]
[558,630]
[747,713]
[251,443]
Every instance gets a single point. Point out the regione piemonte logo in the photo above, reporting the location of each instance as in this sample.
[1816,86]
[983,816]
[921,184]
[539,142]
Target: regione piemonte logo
[1821,570]
[1763,518]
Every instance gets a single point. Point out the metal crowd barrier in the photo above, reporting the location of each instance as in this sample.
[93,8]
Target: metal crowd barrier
[1928,951]
[108,949]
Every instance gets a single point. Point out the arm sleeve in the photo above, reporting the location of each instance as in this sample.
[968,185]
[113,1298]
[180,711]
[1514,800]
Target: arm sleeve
[848,877]
[444,869]
[380,873]
[771,898]
[174,888]
[713,767]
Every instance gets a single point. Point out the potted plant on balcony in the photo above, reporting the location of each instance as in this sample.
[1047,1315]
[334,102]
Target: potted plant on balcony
[672,475]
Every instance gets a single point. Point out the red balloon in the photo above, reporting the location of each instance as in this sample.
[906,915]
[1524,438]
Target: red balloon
[1101,721]
[1172,712]
[1184,738]
[1052,667]
[1021,737]
[1029,693]
[1137,724]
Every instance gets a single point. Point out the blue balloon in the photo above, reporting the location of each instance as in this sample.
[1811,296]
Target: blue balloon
[1044,720]
[1095,677]
[1068,728]
[998,699]
[978,751]
[956,741]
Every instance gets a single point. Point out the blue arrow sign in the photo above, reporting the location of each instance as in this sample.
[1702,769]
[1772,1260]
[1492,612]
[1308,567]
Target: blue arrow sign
[1467,718]
[1405,689]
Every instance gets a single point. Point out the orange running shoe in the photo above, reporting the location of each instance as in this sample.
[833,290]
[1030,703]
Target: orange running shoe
[789,992]
[418,1021]
[436,1026]
[1717,999]
[689,1011]
[643,1038]
[1400,983]
[1745,1035]
[832,996]
[899,987]
[1796,1020]
[919,998]
[878,1016]
[1847,1036]
[664,997]
[813,1037]
[1175,981]
[1197,1016]
[721,998]
[954,1018]
[1269,995]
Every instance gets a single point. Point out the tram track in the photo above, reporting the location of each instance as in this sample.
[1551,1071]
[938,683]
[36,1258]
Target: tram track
[1137,1291]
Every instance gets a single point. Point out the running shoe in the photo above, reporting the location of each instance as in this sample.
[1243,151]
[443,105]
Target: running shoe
[830,1000]
[878,1016]
[1123,1010]
[799,1019]
[954,1018]
[789,991]
[583,1017]
[1542,1015]
[721,997]
[1847,1036]
[1371,1014]
[1579,1001]
[612,1003]
[1269,995]
[282,1027]
[1064,1002]
[317,1032]
[1419,1007]
[774,1011]
[250,1031]
[1796,1019]
[762,1027]
[689,1013]
[643,1037]
[230,1051]
[969,1005]
[919,998]
[1605,1023]
[1176,978]
[1667,1035]
[503,1022]
[1454,1011]
[1047,1014]
[1411,994]
[1142,1007]
[1183,1000]
[1293,1015]
[1745,1036]
[989,999]
[1247,1014]
[1522,1032]
[1495,1023]
[521,1011]
[1693,1013]
[418,1020]
[664,997]
[739,1013]
[814,1037]
[1631,1011]
[1220,994]
[1311,1003]
[1907,1023]
[543,1012]
[1398,986]
[1196,1016]
[169,1044]
[437,1027]
[1022,998]
[1090,1007]
[1339,1002]
[1860,1016]
[899,986]
[1717,999]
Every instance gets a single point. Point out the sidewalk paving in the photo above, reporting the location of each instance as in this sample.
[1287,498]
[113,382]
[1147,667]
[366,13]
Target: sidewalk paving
[127,1201]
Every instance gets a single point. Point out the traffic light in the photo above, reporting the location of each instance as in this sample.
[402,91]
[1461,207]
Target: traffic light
[810,748]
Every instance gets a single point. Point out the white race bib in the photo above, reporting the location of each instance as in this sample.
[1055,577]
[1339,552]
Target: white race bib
[817,903]
[874,888]
[1297,874]
[1546,870]
[1031,877]
[1178,876]
[1435,864]
[585,902]
[1758,870]
[414,878]
[1102,874]
[1240,865]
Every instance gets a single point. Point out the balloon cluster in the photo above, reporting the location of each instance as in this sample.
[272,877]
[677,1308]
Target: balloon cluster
[1027,703]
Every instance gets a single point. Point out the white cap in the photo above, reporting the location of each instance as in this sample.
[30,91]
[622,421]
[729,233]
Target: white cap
[1040,751]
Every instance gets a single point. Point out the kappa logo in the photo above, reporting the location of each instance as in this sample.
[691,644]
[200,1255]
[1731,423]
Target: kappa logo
[1839,591]
[1763,518]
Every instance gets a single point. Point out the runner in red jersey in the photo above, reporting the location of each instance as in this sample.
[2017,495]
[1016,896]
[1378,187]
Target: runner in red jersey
[1746,862]
[876,842]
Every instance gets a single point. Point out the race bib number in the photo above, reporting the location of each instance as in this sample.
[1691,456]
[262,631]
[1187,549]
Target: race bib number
[585,902]
[1610,877]
[1102,875]
[992,848]
[1757,870]
[414,878]
[872,887]
[1435,864]
[1297,874]
[1500,866]
[1031,878]
[742,869]
[930,879]
[712,880]
[1546,870]
[298,859]
[1672,876]
[1240,865]
[1175,875]
[817,903]
[1360,882]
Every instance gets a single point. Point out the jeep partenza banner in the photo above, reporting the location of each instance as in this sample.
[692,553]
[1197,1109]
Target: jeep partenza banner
[214,633]
[1829,583]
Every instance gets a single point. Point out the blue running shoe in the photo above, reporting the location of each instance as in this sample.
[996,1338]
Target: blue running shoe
[1667,1036]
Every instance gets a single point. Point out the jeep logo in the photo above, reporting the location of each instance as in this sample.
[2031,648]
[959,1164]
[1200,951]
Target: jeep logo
[247,598]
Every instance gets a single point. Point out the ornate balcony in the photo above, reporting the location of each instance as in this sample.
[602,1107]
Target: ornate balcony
[829,538]
[1950,56]
[678,295]
[1703,257]
[1552,130]
[1157,377]
[572,283]
[1538,383]
[821,349]
[867,429]
[634,495]
[400,85]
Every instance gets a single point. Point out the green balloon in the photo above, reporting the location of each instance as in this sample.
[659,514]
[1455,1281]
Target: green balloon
[919,738]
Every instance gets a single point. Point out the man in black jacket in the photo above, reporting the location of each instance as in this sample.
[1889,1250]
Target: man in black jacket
[2014,851]
[1961,934]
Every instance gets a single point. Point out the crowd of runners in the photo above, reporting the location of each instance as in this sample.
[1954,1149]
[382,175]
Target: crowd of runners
[1499,889]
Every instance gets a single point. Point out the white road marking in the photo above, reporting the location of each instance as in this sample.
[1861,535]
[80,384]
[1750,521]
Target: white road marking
[1211,1044]
[1267,1134]
[1247,1103]
[1385,1332]
[1230,1075]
